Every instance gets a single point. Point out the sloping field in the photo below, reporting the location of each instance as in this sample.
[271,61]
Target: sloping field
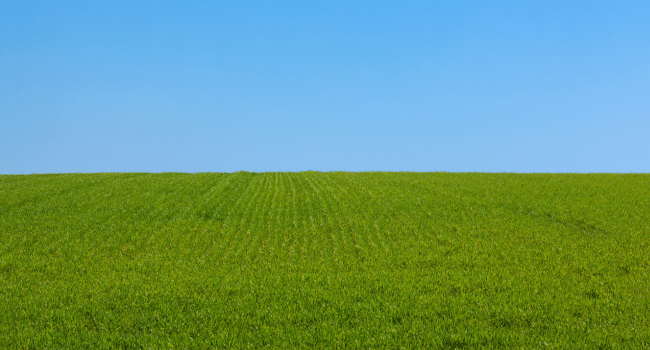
[325,260]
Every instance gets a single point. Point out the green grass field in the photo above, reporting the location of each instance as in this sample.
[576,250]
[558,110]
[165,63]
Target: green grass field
[325,260]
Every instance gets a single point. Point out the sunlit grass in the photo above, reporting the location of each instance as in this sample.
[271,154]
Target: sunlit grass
[325,260]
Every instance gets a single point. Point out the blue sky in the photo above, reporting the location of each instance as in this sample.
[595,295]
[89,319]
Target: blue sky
[482,86]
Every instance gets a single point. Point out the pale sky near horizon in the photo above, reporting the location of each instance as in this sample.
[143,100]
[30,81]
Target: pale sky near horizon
[211,86]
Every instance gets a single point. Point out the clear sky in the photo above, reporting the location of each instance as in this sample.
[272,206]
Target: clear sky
[223,86]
